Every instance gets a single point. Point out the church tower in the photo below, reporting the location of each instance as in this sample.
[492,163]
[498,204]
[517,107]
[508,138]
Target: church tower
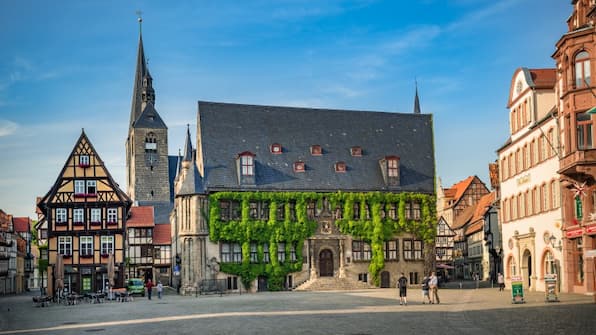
[147,141]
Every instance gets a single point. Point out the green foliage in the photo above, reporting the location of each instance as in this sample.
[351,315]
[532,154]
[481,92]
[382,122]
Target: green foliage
[373,228]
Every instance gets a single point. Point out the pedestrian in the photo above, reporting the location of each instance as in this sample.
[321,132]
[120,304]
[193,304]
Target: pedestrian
[425,290]
[159,289]
[476,279]
[149,287]
[402,285]
[501,281]
[434,288]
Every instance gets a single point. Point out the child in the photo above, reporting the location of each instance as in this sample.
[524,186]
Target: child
[425,290]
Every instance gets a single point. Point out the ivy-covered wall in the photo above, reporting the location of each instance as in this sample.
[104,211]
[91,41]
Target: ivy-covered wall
[375,228]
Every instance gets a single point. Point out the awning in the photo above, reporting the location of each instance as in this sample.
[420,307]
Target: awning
[444,266]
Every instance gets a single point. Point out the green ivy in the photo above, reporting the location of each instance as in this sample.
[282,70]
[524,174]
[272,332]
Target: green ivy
[374,229]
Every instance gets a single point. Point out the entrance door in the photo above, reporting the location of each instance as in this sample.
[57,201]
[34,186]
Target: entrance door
[527,268]
[326,263]
[385,279]
[262,283]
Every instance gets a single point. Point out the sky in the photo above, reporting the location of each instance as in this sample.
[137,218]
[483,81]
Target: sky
[69,65]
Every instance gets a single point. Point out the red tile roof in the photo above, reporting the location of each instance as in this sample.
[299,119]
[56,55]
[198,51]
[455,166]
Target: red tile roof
[21,224]
[477,222]
[140,216]
[162,235]
[544,78]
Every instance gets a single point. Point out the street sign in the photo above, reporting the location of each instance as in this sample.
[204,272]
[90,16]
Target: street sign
[517,290]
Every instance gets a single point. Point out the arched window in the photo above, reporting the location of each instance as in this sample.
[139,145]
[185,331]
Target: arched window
[582,69]
[512,267]
[549,263]
[554,187]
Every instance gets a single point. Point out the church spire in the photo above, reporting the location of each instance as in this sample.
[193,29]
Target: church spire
[187,146]
[143,86]
[416,101]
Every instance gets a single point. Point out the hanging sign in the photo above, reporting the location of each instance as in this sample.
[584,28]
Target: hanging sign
[578,207]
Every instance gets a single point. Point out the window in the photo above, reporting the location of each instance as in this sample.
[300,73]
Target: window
[584,131]
[299,166]
[549,263]
[86,247]
[544,197]
[392,211]
[79,187]
[582,69]
[247,163]
[356,209]
[78,215]
[292,252]
[91,187]
[311,210]
[95,214]
[266,258]
[112,215]
[316,150]
[107,245]
[264,210]
[151,143]
[340,167]
[412,250]
[392,167]
[391,250]
[253,210]
[232,283]
[363,277]
[360,251]
[356,151]
[280,212]
[224,210]
[281,252]
[416,211]
[253,253]
[83,160]
[413,278]
[226,253]
[275,148]
[65,245]
[61,215]
[512,267]
[236,253]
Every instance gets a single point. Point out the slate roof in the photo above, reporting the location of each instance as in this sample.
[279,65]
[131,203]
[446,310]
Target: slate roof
[229,129]
[161,210]
[162,234]
[140,216]
[149,118]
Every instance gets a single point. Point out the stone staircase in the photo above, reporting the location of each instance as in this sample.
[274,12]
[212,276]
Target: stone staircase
[333,284]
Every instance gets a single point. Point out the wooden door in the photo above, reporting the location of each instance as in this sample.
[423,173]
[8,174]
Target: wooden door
[326,263]
[385,279]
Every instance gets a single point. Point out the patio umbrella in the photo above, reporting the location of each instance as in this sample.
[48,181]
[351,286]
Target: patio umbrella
[59,273]
[111,270]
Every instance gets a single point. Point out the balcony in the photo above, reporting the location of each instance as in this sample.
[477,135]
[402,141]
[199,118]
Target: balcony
[580,162]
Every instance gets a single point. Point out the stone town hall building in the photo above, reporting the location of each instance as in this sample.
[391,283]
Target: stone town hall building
[270,197]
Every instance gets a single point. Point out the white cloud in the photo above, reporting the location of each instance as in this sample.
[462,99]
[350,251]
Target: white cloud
[7,127]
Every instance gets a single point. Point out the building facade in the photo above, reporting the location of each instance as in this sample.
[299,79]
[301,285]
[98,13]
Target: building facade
[575,101]
[8,254]
[86,217]
[139,235]
[529,182]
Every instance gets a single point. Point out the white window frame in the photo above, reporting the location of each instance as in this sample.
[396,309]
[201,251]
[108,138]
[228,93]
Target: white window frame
[247,163]
[91,187]
[112,215]
[107,244]
[78,215]
[79,187]
[84,160]
[65,245]
[392,167]
[86,245]
[95,215]
[61,215]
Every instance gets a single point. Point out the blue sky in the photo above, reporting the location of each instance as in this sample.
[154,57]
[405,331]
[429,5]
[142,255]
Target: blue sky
[69,65]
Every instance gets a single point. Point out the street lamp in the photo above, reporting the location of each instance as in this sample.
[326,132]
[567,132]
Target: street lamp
[553,244]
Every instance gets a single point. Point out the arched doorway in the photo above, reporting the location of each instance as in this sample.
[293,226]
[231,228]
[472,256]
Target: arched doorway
[385,279]
[527,268]
[326,263]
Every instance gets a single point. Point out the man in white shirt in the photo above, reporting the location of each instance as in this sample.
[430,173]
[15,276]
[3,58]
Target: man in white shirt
[433,283]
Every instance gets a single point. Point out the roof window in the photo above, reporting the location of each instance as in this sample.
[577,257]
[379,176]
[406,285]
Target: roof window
[299,166]
[316,150]
[340,167]
[275,148]
[356,151]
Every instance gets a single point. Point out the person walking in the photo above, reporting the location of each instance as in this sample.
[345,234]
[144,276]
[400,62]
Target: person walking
[425,290]
[402,285]
[149,287]
[159,289]
[434,288]
[501,281]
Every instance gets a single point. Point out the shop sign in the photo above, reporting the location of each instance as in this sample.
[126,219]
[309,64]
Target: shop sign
[517,290]
[550,280]
[591,229]
[574,233]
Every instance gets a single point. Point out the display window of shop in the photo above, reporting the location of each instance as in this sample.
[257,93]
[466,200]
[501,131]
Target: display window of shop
[578,257]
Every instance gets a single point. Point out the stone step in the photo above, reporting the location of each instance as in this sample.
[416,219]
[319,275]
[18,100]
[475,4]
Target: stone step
[333,283]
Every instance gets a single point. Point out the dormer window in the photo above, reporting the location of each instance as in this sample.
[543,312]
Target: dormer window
[392,166]
[390,170]
[340,167]
[247,163]
[316,150]
[83,160]
[356,151]
[299,166]
[275,148]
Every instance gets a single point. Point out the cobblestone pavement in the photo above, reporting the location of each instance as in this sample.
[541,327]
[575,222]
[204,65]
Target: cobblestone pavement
[376,311]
